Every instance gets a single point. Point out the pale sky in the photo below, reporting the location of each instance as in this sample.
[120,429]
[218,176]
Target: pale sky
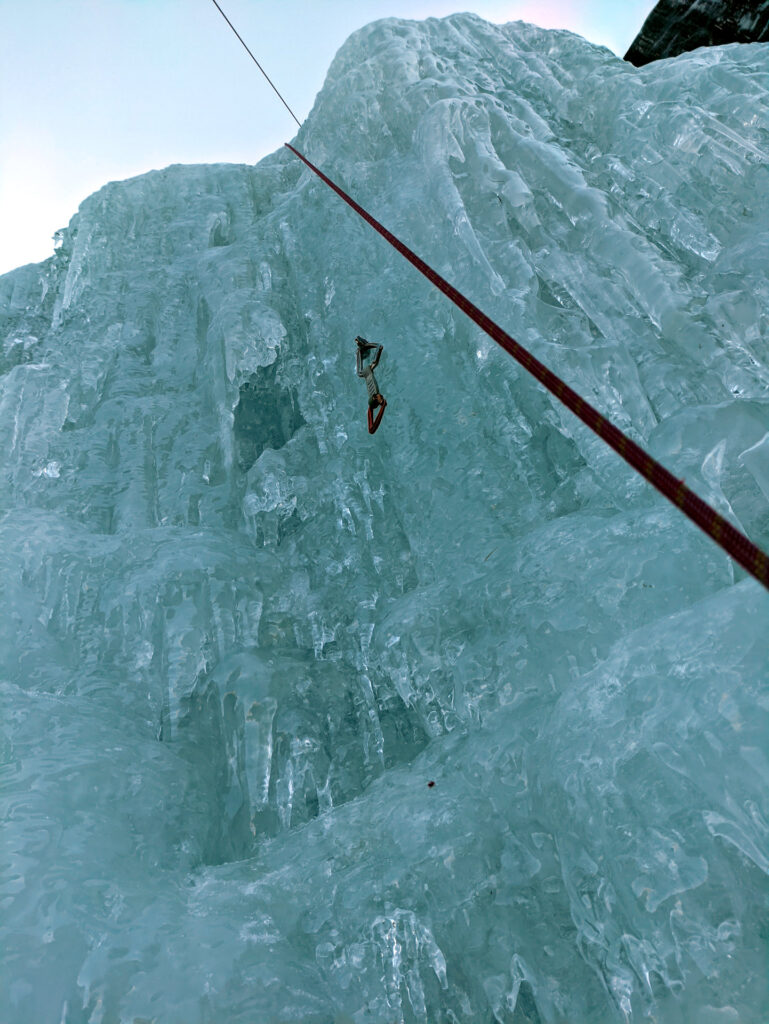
[93,91]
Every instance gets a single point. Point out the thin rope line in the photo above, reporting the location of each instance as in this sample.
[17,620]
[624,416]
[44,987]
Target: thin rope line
[731,540]
[253,58]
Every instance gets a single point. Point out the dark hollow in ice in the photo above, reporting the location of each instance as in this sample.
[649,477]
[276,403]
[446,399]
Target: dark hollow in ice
[267,416]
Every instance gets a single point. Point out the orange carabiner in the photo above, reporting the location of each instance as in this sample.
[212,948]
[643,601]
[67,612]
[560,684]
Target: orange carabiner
[373,424]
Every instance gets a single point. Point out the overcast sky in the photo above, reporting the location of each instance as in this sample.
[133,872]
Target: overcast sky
[97,90]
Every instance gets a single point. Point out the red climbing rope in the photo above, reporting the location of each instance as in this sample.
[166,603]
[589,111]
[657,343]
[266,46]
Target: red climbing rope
[736,544]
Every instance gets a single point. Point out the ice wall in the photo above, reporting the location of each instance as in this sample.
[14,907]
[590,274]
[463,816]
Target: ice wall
[241,637]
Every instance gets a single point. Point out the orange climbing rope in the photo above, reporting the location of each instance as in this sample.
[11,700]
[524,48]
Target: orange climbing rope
[736,544]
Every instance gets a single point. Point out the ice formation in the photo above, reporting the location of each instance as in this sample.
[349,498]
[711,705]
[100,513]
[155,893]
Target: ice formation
[240,637]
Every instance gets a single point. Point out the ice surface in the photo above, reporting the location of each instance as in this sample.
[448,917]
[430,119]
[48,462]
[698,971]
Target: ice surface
[240,636]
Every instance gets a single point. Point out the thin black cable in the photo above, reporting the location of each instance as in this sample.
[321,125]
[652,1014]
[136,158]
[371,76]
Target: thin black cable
[253,58]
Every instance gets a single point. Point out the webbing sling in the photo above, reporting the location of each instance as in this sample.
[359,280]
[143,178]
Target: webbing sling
[736,544]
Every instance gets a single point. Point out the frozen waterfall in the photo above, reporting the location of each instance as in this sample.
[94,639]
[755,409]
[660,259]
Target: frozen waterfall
[240,638]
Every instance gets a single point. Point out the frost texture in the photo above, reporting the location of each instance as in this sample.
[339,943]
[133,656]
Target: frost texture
[240,636]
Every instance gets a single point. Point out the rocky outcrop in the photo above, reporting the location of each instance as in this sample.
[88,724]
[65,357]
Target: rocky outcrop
[676,26]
